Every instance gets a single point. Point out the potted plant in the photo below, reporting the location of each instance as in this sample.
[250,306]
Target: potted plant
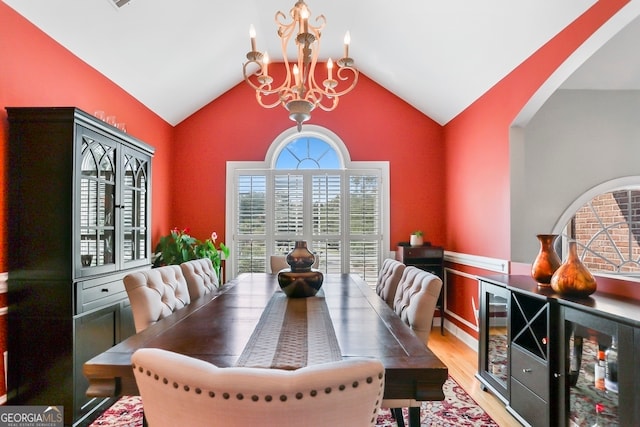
[178,247]
[416,238]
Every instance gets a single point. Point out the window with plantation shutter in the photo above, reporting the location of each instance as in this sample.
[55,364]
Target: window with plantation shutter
[250,223]
[364,224]
[308,189]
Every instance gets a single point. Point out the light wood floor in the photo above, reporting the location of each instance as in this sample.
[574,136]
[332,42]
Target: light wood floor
[462,362]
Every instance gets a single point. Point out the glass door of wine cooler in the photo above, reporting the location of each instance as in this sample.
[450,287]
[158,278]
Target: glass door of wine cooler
[493,355]
[596,391]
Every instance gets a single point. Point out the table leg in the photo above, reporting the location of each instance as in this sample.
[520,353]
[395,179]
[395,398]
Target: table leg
[414,416]
[397,415]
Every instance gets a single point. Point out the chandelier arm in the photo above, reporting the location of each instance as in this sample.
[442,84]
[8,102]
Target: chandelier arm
[322,22]
[262,83]
[328,87]
[323,99]
[342,77]
[332,107]
[263,103]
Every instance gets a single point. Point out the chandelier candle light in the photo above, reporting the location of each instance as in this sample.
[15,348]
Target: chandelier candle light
[300,93]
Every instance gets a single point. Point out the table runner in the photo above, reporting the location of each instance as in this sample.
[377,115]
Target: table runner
[292,333]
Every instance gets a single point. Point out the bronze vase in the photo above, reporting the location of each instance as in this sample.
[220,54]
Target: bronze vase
[573,277]
[547,261]
[300,258]
[300,281]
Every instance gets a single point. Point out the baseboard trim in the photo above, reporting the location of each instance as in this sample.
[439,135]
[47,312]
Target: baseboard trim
[463,336]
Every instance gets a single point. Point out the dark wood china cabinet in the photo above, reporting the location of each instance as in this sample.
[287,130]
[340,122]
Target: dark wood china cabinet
[79,221]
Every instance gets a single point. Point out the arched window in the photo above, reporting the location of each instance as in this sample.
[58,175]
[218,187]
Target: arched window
[308,152]
[607,227]
[308,189]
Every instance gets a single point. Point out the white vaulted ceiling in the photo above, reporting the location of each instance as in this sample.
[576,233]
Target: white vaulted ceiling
[437,55]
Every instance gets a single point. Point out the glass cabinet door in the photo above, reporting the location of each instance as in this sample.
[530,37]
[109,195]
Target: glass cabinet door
[135,186]
[97,204]
[494,339]
[112,193]
[595,371]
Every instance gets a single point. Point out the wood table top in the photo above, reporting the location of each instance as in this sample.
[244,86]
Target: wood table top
[217,328]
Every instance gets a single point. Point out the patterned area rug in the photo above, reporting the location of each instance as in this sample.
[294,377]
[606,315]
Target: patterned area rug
[458,409]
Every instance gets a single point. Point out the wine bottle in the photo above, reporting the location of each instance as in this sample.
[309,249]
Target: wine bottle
[599,371]
[575,360]
[611,367]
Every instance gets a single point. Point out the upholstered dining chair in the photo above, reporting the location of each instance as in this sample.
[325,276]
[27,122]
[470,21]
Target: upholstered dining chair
[200,276]
[178,390]
[155,294]
[388,279]
[279,262]
[415,302]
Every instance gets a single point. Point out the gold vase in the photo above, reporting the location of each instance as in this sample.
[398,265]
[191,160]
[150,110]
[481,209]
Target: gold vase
[573,277]
[547,261]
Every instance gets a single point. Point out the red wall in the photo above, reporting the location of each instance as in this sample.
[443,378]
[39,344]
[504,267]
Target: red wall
[373,123]
[36,71]
[477,160]
[477,143]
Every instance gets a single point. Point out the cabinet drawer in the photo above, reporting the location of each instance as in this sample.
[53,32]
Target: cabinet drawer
[92,295]
[528,405]
[530,371]
[422,252]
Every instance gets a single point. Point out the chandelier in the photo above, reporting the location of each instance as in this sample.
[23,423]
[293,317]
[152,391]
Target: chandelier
[300,92]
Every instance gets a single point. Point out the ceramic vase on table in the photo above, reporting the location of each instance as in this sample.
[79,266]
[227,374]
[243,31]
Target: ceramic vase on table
[547,261]
[416,240]
[573,277]
[300,280]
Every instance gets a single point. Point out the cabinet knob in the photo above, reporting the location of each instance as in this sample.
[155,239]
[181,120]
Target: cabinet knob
[526,370]
[104,290]
[557,375]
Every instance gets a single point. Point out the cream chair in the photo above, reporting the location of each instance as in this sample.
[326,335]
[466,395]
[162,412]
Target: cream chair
[388,279]
[279,262]
[200,276]
[415,302]
[416,299]
[178,390]
[155,294]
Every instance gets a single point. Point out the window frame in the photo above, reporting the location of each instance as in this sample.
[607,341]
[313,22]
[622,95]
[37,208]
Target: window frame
[266,168]
[562,225]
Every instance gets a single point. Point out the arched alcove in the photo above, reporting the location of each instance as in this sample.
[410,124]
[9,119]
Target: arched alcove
[565,142]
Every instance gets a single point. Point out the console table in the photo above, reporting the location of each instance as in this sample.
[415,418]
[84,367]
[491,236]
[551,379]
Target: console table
[538,351]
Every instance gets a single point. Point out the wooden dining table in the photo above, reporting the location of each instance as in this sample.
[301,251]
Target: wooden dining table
[250,322]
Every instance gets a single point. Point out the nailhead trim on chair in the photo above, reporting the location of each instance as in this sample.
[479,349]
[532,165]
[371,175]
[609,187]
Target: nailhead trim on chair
[254,398]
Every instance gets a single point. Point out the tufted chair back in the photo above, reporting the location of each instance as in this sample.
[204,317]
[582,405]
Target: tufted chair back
[200,276]
[179,390]
[155,294]
[388,279]
[416,299]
